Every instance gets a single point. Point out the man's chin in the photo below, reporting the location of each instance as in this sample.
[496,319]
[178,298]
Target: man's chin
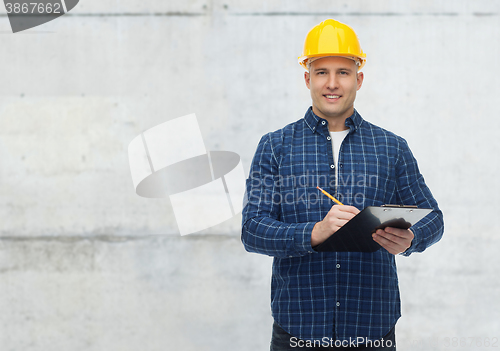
[333,114]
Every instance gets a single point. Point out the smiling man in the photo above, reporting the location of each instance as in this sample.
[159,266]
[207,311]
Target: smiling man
[333,81]
[333,300]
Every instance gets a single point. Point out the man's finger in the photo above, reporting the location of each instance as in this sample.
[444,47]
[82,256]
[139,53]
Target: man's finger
[345,208]
[391,246]
[341,215]
[338,222]
[386,244]
[350,209]
[403,233]
[386,237]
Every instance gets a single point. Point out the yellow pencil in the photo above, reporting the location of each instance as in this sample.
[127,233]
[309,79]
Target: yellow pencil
[330,196]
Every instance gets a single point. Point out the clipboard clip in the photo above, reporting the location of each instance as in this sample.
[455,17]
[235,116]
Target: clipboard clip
[399,206]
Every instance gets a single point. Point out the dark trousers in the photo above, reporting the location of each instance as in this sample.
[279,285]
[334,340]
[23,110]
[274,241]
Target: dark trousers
[282,341]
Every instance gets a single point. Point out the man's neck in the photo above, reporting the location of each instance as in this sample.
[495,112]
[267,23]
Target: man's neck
[335,124]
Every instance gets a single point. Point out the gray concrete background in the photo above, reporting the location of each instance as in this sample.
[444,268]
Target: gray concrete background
[85,264]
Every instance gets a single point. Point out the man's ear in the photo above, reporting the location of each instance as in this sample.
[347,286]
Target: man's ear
[306,78]
[360,77]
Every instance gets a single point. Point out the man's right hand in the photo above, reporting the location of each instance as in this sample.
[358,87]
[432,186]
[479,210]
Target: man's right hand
[333,221]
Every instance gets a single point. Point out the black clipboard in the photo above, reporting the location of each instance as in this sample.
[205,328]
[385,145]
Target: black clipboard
[356,235]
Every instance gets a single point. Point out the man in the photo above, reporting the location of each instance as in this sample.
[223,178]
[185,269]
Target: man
[324,300]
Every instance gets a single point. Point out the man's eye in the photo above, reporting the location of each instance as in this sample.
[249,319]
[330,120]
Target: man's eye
[344,72]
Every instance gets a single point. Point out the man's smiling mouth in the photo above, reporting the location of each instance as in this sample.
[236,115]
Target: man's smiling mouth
[332,96]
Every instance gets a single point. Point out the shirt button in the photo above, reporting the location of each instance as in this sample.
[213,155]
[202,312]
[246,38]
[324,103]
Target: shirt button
[338,266]
[323,122]
[338,304]
[290,256]
[341,165]
[328,138]
[332,166]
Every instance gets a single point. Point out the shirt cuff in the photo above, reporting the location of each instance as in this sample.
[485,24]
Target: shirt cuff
[411,249]
[302,238]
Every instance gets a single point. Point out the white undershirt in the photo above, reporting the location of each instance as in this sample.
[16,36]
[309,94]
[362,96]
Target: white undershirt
[337,139]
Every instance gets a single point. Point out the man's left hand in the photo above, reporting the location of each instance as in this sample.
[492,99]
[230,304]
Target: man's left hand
[394,240]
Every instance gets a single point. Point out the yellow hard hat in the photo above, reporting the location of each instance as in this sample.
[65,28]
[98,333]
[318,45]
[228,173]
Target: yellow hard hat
[332,38]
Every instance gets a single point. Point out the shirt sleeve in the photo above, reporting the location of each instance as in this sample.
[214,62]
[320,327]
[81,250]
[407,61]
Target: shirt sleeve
[262,231]
[412,190]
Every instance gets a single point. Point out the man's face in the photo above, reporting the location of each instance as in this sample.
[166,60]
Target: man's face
[333,82]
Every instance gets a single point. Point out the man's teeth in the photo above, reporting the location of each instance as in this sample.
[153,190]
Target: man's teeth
[332,96]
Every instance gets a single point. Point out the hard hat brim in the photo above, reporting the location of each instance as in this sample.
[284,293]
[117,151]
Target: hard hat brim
[362,58]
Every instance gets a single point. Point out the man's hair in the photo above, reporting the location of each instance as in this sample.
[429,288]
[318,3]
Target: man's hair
[308,64]
[310,61]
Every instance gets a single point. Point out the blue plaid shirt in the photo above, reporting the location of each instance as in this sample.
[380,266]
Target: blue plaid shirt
[339,295]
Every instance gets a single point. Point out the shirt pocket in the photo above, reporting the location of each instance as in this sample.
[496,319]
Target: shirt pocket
[373,182]
[300,201]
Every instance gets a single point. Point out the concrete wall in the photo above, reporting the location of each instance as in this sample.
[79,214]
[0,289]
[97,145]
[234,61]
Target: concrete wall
[86,264]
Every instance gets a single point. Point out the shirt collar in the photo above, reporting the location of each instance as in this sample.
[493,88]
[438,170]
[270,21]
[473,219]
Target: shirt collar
[314,122]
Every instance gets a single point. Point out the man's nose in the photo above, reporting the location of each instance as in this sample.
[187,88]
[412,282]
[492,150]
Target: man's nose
[332,82]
